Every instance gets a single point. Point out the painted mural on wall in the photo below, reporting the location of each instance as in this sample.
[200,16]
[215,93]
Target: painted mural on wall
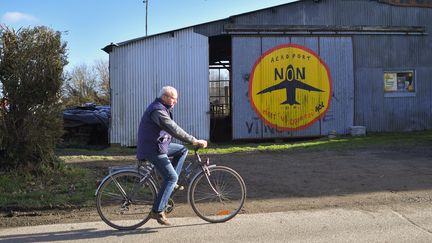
[290,87]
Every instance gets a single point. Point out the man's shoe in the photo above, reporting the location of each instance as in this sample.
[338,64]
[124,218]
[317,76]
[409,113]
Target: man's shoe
[160,218]
[178,187]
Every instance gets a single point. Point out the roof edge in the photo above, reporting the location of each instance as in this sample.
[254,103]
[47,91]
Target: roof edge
[107,48]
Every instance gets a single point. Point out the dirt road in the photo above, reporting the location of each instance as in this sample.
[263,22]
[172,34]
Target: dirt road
[300,180]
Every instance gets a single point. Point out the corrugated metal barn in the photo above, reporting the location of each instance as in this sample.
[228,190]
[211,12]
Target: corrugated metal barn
[306,68]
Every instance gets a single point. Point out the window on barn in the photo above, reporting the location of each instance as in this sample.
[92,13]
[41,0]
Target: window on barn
[219,89]
[399,83]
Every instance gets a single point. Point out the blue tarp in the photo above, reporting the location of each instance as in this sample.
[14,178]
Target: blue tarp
[88,115]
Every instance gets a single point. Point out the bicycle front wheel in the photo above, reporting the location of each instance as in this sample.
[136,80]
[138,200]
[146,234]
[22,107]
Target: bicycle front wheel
[218,197]
[123,202]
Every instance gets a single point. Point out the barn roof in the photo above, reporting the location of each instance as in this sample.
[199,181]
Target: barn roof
[229,20]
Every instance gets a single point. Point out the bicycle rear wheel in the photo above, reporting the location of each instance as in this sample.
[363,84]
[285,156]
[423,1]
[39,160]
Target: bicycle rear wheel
[221,197]
[123,202]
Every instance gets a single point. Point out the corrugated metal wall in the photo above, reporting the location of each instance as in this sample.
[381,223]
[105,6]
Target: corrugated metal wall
[335,51]
[372,55]
[378,112]
[356,62]
[139,69]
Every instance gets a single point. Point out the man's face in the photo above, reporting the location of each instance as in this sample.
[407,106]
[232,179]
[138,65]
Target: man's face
[170,98]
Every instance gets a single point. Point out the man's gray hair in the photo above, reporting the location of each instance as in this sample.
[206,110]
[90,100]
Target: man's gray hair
[167,90]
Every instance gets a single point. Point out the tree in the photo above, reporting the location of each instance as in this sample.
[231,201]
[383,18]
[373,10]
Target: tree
[31,73]
[80,86]
[102,71]
[87,84]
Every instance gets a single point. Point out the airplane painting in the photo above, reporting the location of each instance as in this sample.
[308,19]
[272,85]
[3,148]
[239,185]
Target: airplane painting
[290,87]
[283,74]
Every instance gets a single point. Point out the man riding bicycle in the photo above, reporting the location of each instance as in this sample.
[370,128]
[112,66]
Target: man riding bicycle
[155,132]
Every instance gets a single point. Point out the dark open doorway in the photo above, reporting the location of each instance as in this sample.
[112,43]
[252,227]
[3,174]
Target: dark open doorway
[220,88]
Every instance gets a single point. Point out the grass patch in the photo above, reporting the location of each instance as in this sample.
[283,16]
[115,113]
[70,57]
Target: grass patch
[72,187]
[372,140]
[88,158]
[95,151]
[381,140]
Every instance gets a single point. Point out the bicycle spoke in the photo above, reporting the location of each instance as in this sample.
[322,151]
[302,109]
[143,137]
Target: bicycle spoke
[113,195]
[205,198]
[119,187]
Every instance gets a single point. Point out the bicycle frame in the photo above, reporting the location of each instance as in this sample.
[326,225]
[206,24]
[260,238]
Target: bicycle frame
[145,172]
[205,169]
[142,171]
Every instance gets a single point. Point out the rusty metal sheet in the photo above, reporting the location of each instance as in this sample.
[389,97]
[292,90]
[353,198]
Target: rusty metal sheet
[409,3]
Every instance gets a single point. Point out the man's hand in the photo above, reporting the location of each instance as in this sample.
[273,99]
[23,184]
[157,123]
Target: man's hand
[199,142]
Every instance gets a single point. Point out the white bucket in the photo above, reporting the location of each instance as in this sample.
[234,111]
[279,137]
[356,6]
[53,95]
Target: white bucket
[358,130]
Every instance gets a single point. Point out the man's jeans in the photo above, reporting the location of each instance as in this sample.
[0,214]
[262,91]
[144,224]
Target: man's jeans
[170,172]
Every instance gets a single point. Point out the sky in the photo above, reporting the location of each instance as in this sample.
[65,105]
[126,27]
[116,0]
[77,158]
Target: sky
[89,25]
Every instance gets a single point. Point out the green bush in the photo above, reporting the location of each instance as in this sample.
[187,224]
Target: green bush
[31,73]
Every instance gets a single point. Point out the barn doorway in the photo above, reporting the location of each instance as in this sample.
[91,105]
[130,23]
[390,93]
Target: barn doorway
[220,88]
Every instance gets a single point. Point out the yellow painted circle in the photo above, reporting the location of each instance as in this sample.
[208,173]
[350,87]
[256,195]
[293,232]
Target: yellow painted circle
[290,87]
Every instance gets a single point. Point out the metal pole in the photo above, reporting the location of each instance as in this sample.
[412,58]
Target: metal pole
[146,3]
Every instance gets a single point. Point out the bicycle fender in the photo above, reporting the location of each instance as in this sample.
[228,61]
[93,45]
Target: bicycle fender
[112,174]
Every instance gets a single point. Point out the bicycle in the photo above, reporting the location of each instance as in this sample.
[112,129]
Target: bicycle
[124,198]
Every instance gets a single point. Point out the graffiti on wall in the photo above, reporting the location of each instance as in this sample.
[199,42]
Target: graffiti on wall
[290,87]
[255,127]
